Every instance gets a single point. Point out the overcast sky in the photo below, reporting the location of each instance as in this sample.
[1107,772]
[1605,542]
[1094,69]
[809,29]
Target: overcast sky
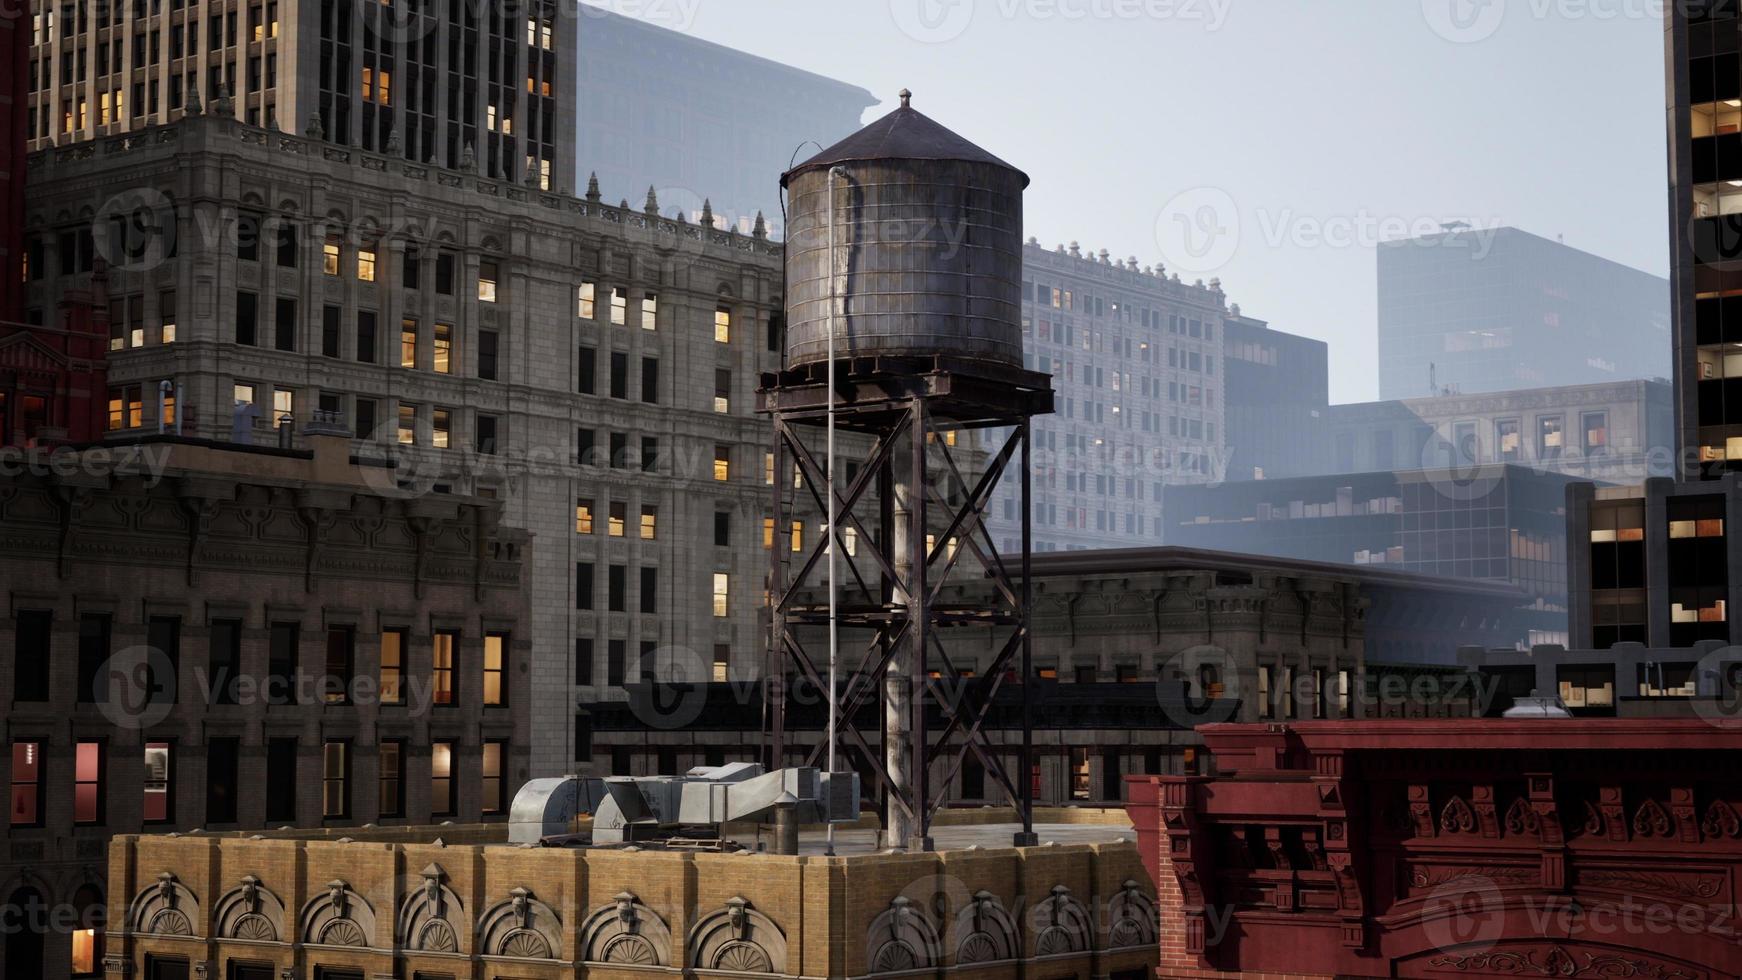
[1268,142]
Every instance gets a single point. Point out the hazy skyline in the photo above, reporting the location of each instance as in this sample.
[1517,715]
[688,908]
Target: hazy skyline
[1322,129]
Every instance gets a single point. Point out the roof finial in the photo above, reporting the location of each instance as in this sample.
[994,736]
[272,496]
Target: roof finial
[906,99]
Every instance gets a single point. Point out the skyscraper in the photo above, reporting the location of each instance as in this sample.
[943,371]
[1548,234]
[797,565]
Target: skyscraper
[699,122]
[1476,310]
[436,82]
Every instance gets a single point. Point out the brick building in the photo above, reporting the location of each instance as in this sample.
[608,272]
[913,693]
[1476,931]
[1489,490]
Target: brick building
[201,636]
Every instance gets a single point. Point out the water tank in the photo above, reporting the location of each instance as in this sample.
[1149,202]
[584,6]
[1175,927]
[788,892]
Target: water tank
[928,247]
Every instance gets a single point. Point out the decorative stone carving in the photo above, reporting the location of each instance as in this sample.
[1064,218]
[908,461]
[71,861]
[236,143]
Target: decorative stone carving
[1061,924]
[251,912]
[425,921]
[1721,821]
[985,932]
[521,927]
[337,917]
[166,908]
[737,937]
[1521,820]
[1652,820]
[1457,817]
[903,937]
[1133,917]
[626,931]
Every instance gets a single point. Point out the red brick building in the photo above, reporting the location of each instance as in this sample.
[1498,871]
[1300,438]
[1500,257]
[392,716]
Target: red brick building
[1455,848]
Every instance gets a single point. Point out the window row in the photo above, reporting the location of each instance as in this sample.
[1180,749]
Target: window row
[344,677]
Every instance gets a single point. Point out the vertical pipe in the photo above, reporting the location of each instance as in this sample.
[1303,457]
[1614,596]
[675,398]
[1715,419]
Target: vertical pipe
[834,612]
[776,667]
[919,607]
[1027,837]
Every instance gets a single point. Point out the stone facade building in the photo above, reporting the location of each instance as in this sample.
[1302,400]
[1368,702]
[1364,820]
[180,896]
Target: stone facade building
[201,636]
[456,901]
[590,366]
[433,83]
[1136,361]
[1132,649]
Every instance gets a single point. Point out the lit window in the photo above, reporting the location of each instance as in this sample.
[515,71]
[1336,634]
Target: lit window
[619,306]
[26,784]
[157,782]
[583,517]
[444,348]
[614,523]
[283,404]
[366,265]
[495,653]
[797,536]
[88,783]
[490,789]
[649,312]
[439,425]
[408,343]
[585,294]
[722,391]
[407,425]
[393,667]
[723,325]
[330,258]
[335,773]
[442,668]
[487,282]
[768,469]
[768,534]
[649,523]
[722,594]
[722,463]
[722,663]
[441,781]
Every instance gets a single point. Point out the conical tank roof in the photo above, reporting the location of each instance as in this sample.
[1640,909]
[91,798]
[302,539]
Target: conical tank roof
[905,134]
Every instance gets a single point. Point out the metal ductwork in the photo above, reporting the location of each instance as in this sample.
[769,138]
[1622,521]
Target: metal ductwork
[649,808]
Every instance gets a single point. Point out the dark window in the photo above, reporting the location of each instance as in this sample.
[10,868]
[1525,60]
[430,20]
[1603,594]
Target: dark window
[330,330]
[586,371]
[722,528]
[584,585]
[30,655]
[93,653]
[287,247]
[649,454]
[776,331]
[486,443]
[619,448]
[615,652]
[281,779]
[341,655]
[650,380]
[411,268]
[163,636]
[621,761]
[365,418]
[650,590]
[445,273]
[366,337]
[336,779]
[487,340]
[281,664]
[493,767]
[224,662]
[285,324]
[247,318]
[248,237]
[584,444]
[615,586]
[583,737]
[584,660]
[223,768]
[619,375]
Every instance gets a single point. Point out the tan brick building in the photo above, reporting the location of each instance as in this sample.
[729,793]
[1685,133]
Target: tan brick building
[441,903]
[201,636]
